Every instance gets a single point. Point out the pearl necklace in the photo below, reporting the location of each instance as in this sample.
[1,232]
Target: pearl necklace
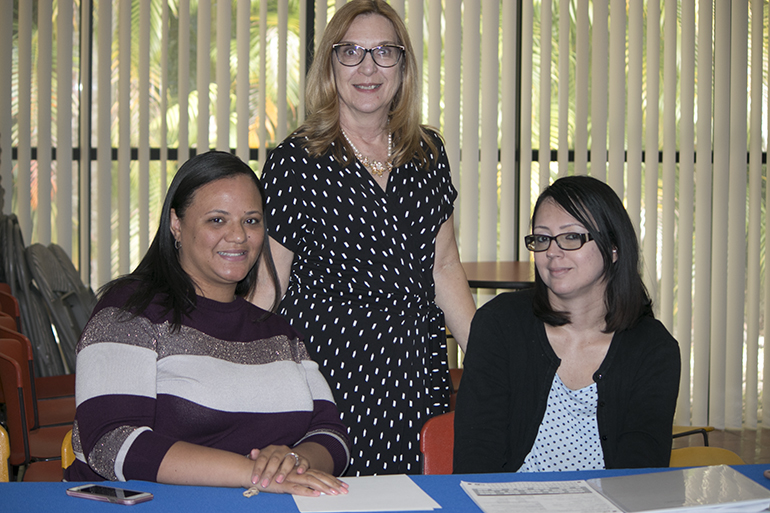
[375,167]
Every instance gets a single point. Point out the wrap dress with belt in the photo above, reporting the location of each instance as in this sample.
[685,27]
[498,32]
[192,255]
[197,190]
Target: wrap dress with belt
[362,292]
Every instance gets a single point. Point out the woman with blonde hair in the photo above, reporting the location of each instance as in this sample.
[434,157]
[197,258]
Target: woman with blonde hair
[360,201]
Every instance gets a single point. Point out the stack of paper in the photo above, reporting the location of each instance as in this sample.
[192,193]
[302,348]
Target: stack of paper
[713,489]
[372,493]
[717,488]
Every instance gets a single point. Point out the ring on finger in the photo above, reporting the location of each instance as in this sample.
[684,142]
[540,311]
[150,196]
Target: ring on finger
[296,458]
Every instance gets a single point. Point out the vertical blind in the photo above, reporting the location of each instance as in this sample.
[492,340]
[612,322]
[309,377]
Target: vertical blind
[105,99]
[645,128]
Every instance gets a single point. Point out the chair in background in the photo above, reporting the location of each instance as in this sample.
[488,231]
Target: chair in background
[67,452]
[69,303]
[10,305]
[680,431]
[7,321]
[37,471]
[50,412]
[44,387]
[4,287]
[52,470]
[29,448]
[703,457]
[437,444]
[82,307]
[5,453]
[35,320]
[43,471]
[455,375]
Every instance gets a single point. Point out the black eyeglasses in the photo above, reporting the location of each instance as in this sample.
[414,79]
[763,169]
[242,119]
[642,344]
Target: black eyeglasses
[385,56]
[566,241]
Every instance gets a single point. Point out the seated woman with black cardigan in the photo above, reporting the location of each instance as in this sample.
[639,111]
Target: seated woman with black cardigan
[576,373]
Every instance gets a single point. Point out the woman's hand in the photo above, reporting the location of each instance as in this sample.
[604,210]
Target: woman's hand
[279,469]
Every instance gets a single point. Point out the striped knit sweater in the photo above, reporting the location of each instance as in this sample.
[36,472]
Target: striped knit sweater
[226,380]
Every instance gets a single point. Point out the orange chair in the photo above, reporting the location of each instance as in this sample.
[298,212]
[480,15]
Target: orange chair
[455,375]
[61,389]
[7,321]
[4,287]
[46,471]
[44,387]
[35,471]
[52,470]
[10,305]
[437,444]
[44,413]
[27,446]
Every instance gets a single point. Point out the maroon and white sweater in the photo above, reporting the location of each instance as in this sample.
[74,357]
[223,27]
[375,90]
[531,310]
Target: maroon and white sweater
[226,380]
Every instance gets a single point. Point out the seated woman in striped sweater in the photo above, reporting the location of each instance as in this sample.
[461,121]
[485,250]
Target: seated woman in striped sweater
[179,377]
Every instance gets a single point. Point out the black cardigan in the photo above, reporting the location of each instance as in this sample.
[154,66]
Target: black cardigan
[508,371]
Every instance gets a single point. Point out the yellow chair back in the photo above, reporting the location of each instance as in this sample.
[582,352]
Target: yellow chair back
[680,431]
[703,457]
[67,453]
[5,453]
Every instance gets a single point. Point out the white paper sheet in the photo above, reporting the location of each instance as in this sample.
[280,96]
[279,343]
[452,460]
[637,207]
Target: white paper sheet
[371,493]
[528,496]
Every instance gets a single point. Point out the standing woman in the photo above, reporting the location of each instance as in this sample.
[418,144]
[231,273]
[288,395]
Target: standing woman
[576,374]
[360,202]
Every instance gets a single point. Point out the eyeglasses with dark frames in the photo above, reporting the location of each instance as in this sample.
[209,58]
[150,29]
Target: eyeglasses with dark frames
[384,56]
[567,241]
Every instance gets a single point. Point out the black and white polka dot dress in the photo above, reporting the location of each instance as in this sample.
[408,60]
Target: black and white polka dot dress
[362,292]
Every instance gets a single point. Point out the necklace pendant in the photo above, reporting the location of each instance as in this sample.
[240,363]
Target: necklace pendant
[375,167]
[378,168]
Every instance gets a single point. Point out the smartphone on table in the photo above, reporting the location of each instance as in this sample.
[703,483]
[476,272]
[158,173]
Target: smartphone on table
[109,494]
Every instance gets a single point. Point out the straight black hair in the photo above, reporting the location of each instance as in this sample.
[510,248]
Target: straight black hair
[160,275]
[596,206]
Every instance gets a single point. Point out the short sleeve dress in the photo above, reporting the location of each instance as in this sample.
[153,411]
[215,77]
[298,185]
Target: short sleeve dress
[362,292]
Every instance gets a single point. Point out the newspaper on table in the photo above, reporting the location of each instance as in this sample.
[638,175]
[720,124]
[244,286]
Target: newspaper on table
[528,496]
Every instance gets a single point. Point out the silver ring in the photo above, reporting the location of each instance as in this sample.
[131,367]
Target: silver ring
[296,458]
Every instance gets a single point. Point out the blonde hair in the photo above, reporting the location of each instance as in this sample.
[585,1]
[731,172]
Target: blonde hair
[322,127]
